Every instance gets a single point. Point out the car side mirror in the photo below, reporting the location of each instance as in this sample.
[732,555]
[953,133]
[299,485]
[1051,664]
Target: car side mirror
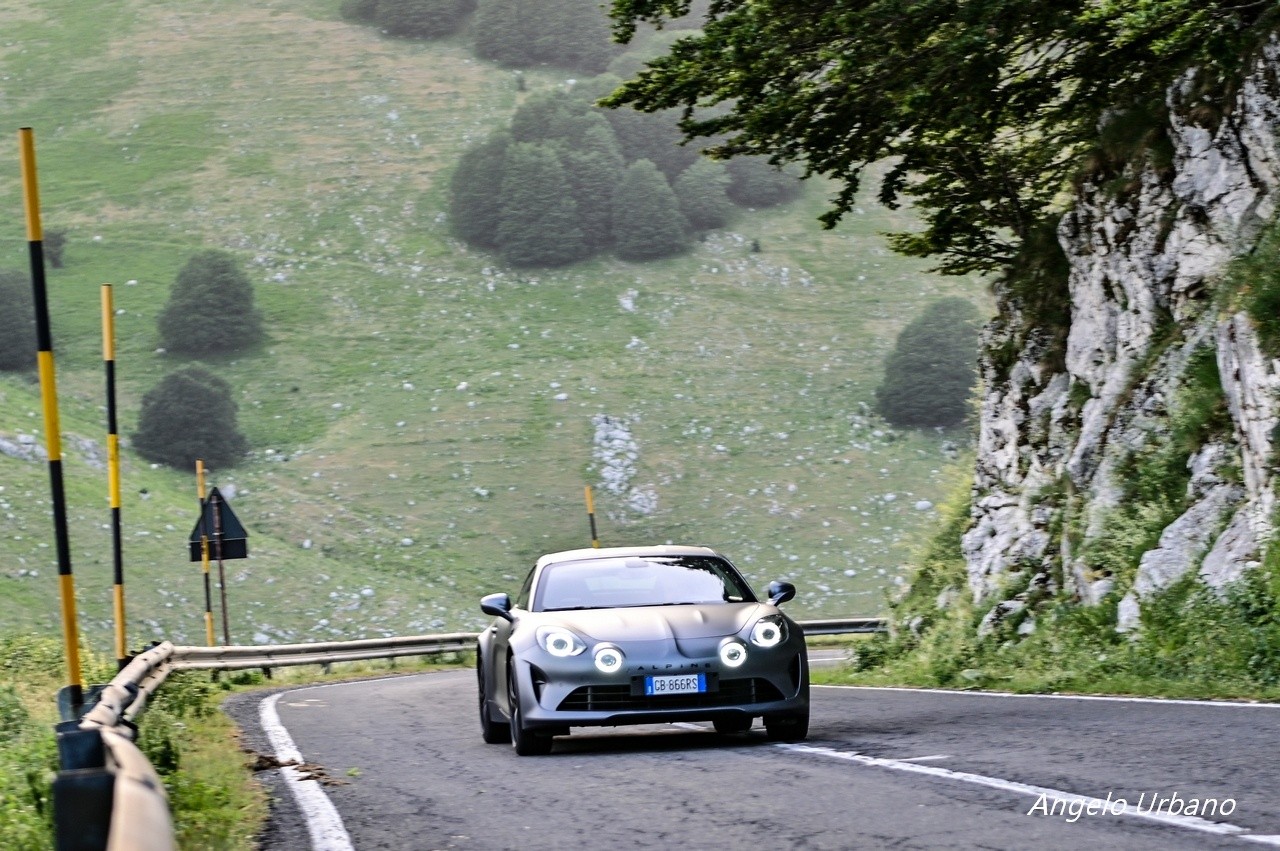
[780,592]
[498,605]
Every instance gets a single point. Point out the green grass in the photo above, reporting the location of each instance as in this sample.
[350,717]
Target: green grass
[319,152]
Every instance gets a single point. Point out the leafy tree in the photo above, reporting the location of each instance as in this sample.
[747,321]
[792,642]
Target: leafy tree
[17,322]
[210,308]
[929,373]
[985,108]
[647,223]
[700,189]
[475,191]
[538,225]
[190,415]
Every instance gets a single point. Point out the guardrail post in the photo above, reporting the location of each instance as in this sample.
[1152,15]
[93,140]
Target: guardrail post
[83,791]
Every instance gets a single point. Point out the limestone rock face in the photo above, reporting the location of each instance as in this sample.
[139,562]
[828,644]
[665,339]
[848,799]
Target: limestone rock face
[1056,432]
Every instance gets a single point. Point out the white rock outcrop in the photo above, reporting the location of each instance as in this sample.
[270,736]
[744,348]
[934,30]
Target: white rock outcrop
[1055,432]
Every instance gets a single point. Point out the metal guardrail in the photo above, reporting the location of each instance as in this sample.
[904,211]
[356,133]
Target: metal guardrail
[844,626]
[108,796]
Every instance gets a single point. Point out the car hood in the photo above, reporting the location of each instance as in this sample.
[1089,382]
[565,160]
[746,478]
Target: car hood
[656,623]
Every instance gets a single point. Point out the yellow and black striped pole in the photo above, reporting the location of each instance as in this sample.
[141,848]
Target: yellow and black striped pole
[591,516]
[113,473]
[52,429]
[204,560]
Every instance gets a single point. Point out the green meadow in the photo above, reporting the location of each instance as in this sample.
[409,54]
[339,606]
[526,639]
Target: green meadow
[423,419]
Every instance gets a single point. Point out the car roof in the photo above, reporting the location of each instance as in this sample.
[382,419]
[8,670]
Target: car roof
[623,552]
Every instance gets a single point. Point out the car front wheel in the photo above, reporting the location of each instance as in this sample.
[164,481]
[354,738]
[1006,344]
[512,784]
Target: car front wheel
[527,742]
[727,726]
[787,728]
[493,732]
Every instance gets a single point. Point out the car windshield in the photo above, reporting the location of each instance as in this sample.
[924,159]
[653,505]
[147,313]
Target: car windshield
[605,583]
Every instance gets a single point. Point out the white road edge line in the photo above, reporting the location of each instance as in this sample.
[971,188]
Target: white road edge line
[1100,697]
[1173,820]
[328,833]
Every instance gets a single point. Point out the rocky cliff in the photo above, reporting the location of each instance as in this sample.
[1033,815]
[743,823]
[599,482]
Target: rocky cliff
[1067,421]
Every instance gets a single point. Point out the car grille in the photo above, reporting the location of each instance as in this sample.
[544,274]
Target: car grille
[612,698]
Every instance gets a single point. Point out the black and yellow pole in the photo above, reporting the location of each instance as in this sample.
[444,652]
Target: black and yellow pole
[591,516]
[53,430]
[113,473]
[204,560]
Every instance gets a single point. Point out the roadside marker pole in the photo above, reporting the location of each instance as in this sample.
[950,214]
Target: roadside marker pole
[204,560]
[113,472]
[52,428]
[591,516]
[222,573]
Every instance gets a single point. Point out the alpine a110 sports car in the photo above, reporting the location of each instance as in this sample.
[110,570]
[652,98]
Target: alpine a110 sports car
[639,635]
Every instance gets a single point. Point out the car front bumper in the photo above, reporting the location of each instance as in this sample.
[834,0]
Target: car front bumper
[559,693]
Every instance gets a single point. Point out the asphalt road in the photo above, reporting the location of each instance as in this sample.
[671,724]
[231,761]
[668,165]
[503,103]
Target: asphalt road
[399,764]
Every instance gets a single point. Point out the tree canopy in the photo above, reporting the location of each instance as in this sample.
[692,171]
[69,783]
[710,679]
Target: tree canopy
[983,109]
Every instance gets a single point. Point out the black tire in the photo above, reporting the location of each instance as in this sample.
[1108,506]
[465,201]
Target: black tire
[493,732]
[728,726]
[527,742]
[787,728]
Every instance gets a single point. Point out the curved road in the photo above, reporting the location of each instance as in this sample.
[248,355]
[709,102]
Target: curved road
[398,763]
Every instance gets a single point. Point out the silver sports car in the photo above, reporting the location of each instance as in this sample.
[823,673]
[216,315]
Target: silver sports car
[639,635]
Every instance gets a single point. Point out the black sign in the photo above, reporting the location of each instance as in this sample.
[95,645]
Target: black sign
[218,523]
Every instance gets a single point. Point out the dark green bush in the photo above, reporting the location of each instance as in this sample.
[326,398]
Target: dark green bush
[572,34]
[756,183]
[17,322]
[647,223]
[700,188]
[475,191]
[539,221]
[190,416]
[411,18]
[930,372]
[422,18]
[210,308]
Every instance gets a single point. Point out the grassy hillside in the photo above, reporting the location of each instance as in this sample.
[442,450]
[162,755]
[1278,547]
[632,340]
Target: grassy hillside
[423,419]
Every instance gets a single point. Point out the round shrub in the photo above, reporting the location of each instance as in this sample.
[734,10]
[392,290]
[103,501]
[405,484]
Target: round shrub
[190,416]
[930,372]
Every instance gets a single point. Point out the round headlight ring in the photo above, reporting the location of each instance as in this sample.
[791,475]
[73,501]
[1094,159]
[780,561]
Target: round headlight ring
[768,632]
[733,654]
[560,642]
[608,659]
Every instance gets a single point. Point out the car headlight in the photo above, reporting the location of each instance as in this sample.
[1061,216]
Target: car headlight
[608,659]
[559,641]
[769,631]
[733,654]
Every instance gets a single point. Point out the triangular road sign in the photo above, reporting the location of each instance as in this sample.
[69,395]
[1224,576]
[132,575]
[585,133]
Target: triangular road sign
[226,534]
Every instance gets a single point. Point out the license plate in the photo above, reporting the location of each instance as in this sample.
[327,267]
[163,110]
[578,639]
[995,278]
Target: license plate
[678,684]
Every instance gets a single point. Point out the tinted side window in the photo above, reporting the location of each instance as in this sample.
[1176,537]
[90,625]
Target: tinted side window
[522,599]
